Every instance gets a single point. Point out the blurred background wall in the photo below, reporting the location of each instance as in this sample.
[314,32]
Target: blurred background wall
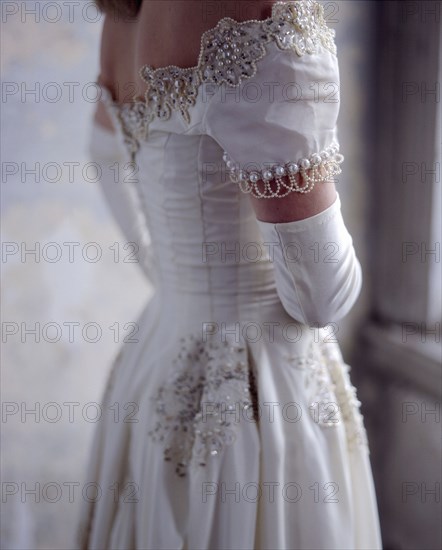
[64,316]
[397,347]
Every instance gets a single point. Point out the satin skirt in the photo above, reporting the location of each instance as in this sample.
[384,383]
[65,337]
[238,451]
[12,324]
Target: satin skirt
[239,433]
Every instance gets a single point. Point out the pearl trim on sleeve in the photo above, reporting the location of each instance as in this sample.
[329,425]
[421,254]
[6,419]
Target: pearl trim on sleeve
[302,175]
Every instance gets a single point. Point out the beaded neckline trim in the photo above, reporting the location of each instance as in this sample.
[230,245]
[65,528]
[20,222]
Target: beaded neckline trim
[228,55]
[301,25]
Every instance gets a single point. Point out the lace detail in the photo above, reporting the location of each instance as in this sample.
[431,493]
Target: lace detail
[170,89]
[333,399]
[210,389]
[228,55]
[300,26]
[346,396]
[319,167]
[323,407]
[133,119]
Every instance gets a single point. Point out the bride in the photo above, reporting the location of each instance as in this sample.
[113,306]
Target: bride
[243,429]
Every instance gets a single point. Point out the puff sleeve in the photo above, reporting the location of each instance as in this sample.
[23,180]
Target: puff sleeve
[279,132]
[282,121]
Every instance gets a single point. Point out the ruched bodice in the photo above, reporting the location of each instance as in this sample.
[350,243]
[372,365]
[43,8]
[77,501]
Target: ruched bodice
[204,232]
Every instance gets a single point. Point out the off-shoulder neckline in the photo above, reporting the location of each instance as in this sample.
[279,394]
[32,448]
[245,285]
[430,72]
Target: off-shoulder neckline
[314,6]
[229,55]
[275,7]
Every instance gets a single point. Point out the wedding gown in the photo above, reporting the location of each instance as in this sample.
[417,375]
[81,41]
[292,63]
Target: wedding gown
[241,428]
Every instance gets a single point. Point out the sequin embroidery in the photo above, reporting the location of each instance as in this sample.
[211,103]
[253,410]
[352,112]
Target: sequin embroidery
[333,399]
[210,389]
[323,406]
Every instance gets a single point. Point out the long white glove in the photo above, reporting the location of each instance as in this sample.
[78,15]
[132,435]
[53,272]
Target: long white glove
[317,273]
[106,149]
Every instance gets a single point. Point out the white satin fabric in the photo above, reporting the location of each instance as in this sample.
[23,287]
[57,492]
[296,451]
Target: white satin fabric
[287,480]
[318,274]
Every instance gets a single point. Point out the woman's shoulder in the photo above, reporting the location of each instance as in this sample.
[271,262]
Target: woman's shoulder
[169,32]
[162,33]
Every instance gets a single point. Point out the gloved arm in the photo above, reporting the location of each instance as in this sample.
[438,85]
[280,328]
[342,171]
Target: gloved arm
[106,149]
[317,272]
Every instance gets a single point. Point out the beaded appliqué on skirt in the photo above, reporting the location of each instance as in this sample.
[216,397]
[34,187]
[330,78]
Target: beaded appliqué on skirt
[332,397]
[211,388]
[346,396]
[228,55]
[323,407]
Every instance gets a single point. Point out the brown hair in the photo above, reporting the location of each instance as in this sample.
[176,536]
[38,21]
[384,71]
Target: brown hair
[119,8]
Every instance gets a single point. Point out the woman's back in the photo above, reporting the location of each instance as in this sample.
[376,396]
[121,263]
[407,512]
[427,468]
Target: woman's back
[238,399]
[164,32]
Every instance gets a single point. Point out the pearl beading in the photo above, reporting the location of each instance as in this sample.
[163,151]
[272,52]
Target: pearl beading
[211,384]
[323,406]
[132,118]
[269,183]
[211,389]
[228,55]
[333,398]
[349,404]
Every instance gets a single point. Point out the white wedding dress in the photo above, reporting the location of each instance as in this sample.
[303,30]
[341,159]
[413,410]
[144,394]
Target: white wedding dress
[241,429]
